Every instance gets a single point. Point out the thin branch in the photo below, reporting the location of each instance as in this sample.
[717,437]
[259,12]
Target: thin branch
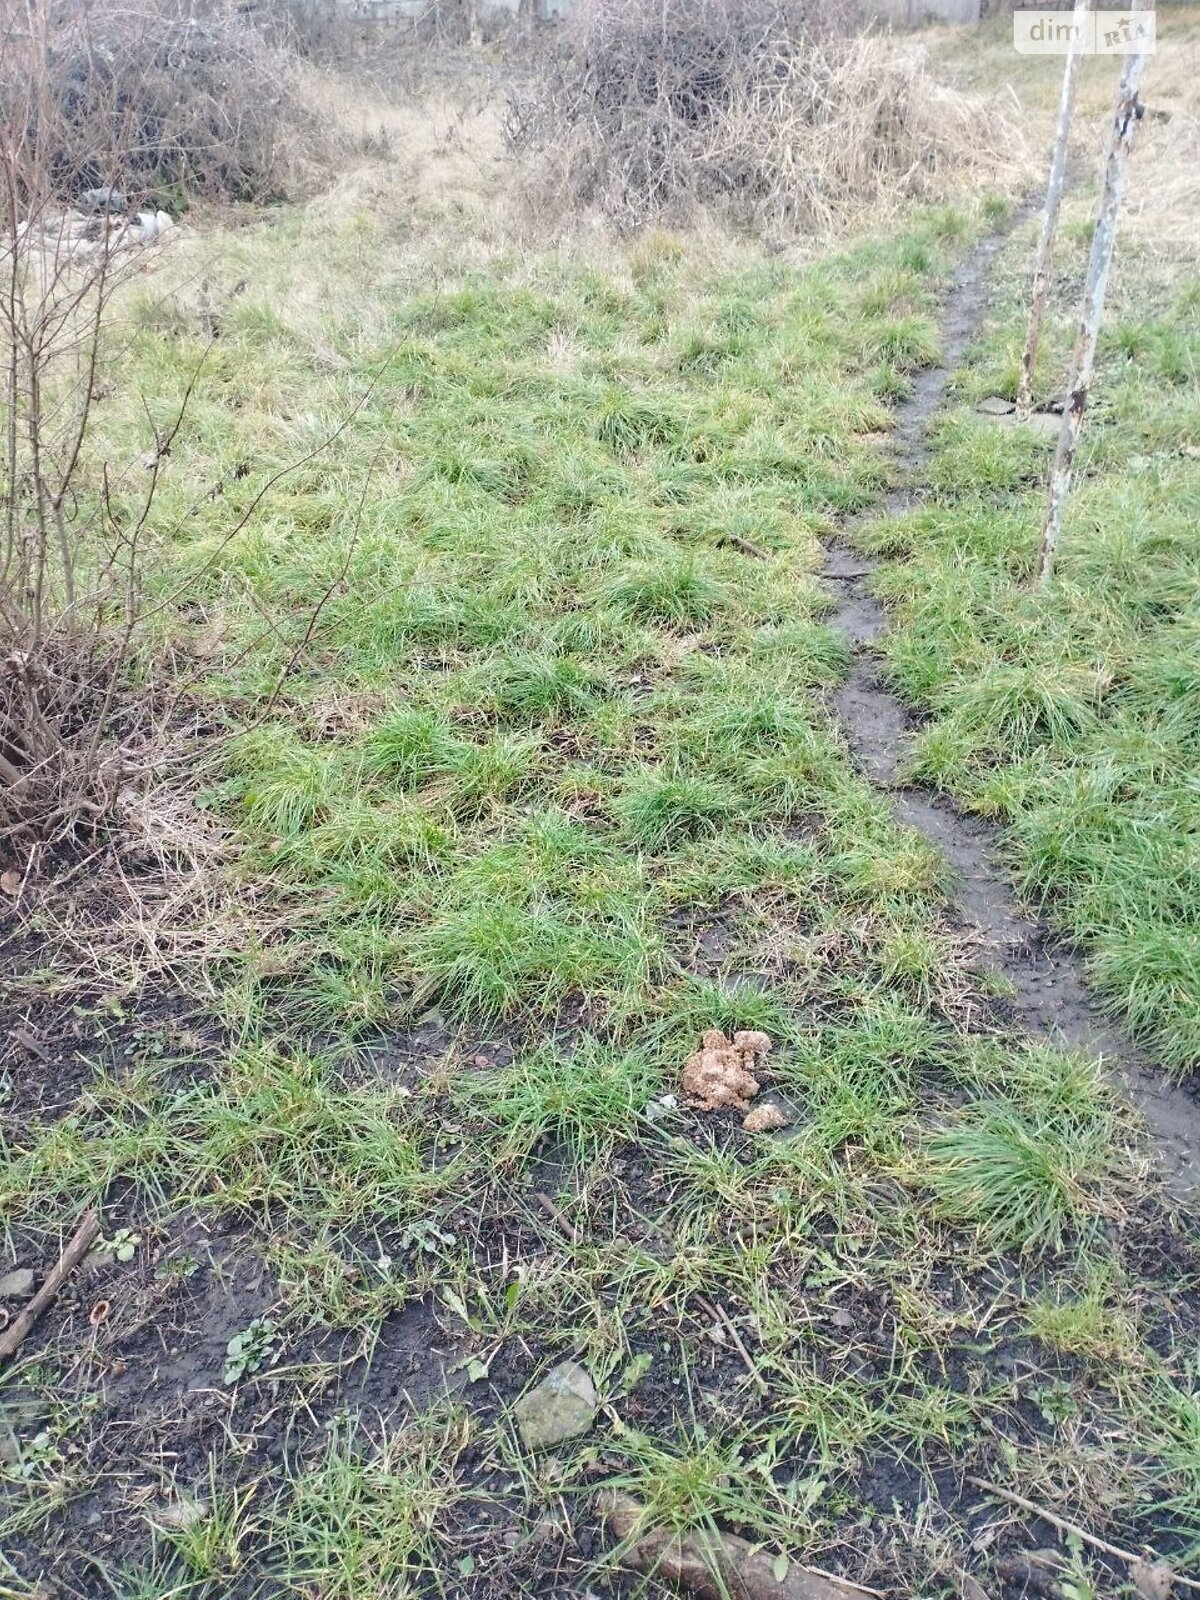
[80,1243]
[1054,192]
[1072,1528]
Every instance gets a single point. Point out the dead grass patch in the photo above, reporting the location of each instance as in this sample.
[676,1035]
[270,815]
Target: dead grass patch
[749,109]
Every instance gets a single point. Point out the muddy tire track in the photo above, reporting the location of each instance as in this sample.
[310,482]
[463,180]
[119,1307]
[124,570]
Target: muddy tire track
[1050,997]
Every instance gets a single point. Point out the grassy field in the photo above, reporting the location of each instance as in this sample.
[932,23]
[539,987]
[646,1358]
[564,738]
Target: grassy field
[525,778]
[1075,717]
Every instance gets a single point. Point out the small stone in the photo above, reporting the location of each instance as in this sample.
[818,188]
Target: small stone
[765,1118]
[1044,423]
[16,1285]
[180,1514]
[994,406]
[1152,1580]
[103,199]
[562,1406]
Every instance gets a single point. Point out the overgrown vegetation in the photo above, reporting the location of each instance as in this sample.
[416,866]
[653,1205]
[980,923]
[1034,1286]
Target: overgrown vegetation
[169,101]
[106,111]
[769,111]
[552,791]
[514,697]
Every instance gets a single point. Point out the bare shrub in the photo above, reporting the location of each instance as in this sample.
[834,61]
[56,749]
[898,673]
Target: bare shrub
[68,568]
[761,107]
[77,530]
[168,98]
[438,44]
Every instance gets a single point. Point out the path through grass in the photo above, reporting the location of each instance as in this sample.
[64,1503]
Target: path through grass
[1074,717]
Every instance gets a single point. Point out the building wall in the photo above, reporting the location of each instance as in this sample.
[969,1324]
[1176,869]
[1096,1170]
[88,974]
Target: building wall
[900,13]
[907,12]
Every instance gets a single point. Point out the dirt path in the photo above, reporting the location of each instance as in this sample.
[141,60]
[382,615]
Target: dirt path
[1050,997]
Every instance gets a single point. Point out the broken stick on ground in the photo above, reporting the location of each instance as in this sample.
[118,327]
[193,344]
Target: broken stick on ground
[81,1242]
[712,1565]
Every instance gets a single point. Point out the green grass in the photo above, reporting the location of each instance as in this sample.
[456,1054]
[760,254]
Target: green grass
[1073,716]
[548,789]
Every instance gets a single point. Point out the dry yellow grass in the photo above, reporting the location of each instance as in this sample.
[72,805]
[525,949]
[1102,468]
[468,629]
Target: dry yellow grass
[1162,208]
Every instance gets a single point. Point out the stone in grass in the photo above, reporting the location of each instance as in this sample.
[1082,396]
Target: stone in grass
[1047,423]
[16,1285]
[563,1405]
[179,1514]
[1044,422]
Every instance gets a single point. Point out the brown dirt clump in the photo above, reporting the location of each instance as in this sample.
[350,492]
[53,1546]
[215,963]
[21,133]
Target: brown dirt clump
[721,1073]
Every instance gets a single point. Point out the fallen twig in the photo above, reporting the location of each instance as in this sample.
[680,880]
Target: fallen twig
[33,1045]
[746,546]
[81,1243]
[1073,1529]
[719,1315]
[714,1566]
[565,1227]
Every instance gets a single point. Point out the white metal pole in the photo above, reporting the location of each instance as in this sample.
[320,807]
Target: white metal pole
[1120,141]
[1054,191]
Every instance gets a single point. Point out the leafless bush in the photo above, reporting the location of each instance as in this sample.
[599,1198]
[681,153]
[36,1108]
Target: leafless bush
[169,98]
[762,107]
[69,562]
[75,530]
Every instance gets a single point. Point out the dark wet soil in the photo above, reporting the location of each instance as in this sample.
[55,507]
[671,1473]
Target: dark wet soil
[1050,998]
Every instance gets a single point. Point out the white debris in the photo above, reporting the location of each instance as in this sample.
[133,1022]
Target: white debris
[56,235]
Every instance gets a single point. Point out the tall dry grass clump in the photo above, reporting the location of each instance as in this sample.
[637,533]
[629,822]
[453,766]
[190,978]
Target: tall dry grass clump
[769,110]
[169,99]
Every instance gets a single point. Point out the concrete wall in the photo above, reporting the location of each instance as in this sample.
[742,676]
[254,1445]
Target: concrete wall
[410,10]
[900,13]
[909,12]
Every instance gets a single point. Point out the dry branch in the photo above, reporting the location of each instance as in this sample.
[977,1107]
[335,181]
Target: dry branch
[80,1243]
[171,97]
[1075,1531]
[711,1565]
[1054,192]
[757,107]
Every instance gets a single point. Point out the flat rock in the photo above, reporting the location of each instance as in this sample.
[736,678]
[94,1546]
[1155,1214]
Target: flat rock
[1045,424]
[179,1514]
[562,1406]
[16,1285]
[994,406]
